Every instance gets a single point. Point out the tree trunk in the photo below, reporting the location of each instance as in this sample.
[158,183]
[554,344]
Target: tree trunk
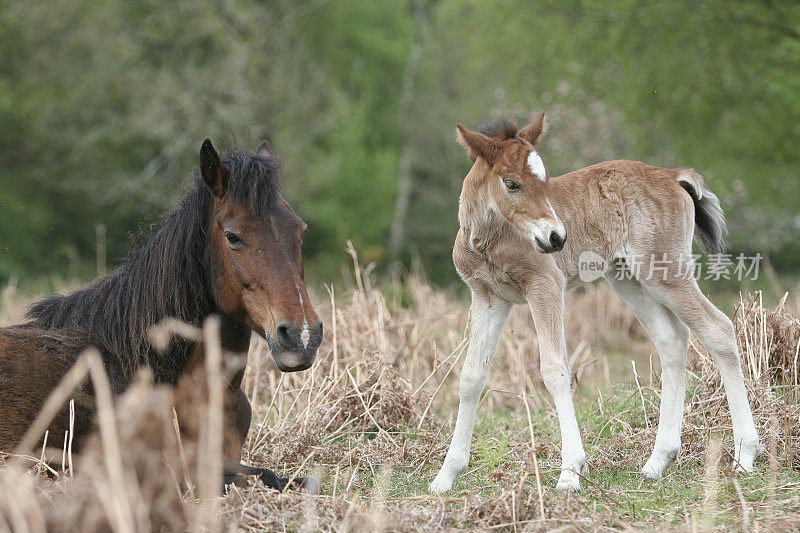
[404,174]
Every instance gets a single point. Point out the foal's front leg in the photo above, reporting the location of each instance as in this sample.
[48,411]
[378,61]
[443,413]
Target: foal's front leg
[547,306]
[487,318]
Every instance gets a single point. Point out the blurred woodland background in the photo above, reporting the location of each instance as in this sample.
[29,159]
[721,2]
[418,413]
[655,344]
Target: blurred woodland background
[104,105]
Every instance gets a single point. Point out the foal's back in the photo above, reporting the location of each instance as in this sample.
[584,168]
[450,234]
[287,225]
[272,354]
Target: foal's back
[620,208]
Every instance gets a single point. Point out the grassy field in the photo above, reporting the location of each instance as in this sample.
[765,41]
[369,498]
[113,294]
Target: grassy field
[372,419]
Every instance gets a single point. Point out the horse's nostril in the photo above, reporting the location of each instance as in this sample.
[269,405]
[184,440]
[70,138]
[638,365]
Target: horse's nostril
[556,240]
[284,334]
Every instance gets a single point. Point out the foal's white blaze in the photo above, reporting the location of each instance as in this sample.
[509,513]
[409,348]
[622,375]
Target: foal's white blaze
[553,212]
[536,165]
[305,335]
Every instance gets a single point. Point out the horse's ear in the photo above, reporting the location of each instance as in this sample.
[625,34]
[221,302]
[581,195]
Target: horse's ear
[477,144]
[263,150]
[534,131]
[213,170]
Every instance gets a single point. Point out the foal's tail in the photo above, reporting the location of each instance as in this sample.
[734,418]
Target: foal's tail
[709,220]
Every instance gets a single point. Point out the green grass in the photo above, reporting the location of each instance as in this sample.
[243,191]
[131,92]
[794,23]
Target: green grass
[613,492]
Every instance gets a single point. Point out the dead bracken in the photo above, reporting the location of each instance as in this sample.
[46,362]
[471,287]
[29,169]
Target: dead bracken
[371,420]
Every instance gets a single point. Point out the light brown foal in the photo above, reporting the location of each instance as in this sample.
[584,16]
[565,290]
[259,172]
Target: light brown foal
[520,240]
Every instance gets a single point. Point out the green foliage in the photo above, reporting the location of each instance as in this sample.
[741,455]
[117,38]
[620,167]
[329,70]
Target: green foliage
[490,451]
[103,107]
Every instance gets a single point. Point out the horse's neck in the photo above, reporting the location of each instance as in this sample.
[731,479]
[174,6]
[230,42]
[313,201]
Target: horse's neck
[234,335]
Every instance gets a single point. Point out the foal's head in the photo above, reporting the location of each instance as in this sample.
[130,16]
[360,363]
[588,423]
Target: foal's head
[254,254]
[516,179]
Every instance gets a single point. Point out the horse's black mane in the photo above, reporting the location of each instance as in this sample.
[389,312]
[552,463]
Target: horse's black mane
[168,276]
[500,129]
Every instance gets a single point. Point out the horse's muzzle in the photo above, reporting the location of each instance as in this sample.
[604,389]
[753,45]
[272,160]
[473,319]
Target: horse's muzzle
[555,242]
[294,347]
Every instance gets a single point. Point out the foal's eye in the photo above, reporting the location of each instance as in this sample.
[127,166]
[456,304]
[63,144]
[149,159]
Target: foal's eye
[233,239]
[511,185]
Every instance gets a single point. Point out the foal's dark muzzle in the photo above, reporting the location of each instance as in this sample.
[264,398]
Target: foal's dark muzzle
[294,346]
[555,244]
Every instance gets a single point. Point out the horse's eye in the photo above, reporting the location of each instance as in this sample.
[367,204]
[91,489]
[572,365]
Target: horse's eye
[233,239]
[511,185]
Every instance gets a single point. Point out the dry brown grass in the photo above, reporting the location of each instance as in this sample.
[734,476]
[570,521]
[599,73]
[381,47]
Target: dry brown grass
[372,418]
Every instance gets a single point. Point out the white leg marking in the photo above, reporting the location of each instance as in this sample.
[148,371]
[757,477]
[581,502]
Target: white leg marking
[486,325]
[747,446]
[548,318]
[671,338]
[715,330]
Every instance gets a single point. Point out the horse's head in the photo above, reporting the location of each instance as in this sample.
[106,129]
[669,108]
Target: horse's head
[508,165]
[254,254]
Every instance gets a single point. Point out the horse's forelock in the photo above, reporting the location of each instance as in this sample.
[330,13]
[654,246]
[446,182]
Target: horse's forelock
[253,180]
[500,129]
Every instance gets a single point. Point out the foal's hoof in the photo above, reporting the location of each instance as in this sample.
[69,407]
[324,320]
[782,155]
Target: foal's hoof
[307,484]
[651,472]
[441,484]
[658,462]
[568,481]
[743,464]
[746,455]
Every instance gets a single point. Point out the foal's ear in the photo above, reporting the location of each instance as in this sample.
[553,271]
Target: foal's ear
[213,170]
[534,131]
[477,144]
[263,150]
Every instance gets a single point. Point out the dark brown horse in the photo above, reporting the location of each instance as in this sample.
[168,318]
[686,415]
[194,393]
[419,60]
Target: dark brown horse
[231,248]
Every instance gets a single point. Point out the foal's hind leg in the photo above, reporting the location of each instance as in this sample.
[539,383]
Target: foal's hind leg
[715,330]
[671,338]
